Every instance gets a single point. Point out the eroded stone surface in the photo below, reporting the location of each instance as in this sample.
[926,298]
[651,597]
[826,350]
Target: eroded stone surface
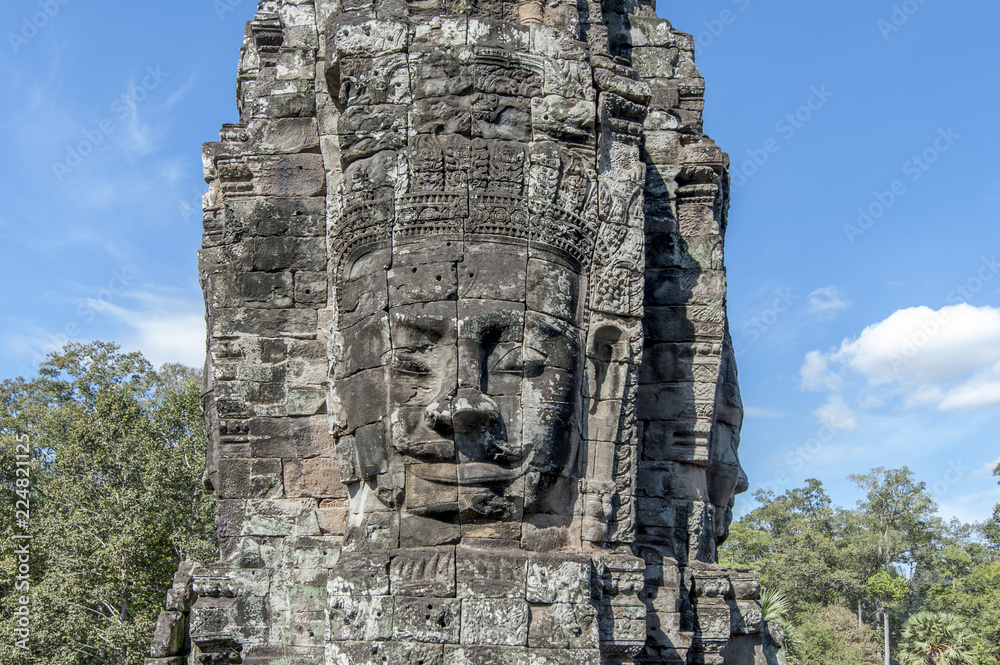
[471,393]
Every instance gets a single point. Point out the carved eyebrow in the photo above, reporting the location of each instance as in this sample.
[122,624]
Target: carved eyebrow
[550,330]
[430,327]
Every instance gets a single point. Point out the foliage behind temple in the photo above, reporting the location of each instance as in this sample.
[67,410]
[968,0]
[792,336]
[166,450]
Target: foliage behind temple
[118,451]
[891,553]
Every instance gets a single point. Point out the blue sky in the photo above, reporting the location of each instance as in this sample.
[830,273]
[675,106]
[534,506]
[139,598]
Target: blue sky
[863,340]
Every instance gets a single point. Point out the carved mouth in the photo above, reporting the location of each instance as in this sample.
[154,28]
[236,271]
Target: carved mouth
[479,473]
[430,450]
[468,473]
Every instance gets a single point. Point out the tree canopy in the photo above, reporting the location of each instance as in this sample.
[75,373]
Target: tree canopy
[890,561]
[117,450]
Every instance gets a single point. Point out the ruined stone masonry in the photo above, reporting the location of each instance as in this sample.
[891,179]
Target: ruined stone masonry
[471,394]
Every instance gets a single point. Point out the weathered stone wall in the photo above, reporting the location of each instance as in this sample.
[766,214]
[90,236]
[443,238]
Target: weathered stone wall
[453,167]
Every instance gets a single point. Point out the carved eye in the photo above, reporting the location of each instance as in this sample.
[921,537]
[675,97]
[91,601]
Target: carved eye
[525,361]
[405,364]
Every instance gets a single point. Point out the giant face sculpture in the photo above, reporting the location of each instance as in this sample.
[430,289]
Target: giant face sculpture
[458,368]
[476,384]
[487,244]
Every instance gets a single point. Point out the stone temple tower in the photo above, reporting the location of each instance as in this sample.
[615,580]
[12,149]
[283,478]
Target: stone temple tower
[471,394]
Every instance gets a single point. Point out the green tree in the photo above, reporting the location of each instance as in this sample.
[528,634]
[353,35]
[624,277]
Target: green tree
[992,527]
[832,636]
[886,588]
[117,502]
[890,548]
[931,638]
[789,541]
[897,514]
[976,600]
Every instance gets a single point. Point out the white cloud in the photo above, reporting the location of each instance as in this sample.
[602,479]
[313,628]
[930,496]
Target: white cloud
[986,469]
[817,375]
[836,414]
[165,330]
[828,299]
[948,359]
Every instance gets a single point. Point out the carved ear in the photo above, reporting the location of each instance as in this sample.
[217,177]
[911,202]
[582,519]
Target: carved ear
[333,81]
[608,353]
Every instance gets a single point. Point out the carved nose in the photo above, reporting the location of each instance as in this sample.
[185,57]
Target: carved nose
[438,416]
[472,410]
[743,484]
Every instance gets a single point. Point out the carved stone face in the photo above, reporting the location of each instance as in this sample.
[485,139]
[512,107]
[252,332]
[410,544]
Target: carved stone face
[480,365]
[726,479]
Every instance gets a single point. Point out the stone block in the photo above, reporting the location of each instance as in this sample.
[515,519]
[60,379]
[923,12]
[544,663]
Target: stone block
[680,287]
[565,657]
[556,118]
[284,105]
[249,479]
[332,521]
[169,634]
[623,625]
[485,655]
[271,254]
[365,38]
[263,322]
[490,573]
[558,579]
[433,282]
[385,653]
[368,389]
[500,621]
[419,531]
[368,345]
[310,288]
[551,290]
[316,477]
[436,620]
[360,618]
[285,135]
[289,175]
[563,626]
[360,573]
[423,572]
[485,272]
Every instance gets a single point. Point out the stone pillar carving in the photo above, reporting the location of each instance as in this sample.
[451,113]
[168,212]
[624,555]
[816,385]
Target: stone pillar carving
[470,392]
